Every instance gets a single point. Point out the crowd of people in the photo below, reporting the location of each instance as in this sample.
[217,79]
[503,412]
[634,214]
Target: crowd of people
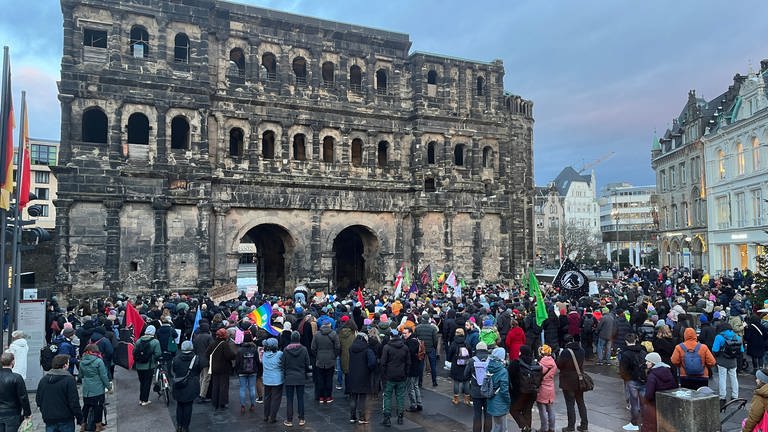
[660,330]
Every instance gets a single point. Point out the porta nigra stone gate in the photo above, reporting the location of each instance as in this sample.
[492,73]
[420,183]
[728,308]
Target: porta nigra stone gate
[199,135]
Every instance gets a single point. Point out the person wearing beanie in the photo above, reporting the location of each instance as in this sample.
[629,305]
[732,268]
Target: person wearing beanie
[474,372]
[248,370]
[414,372]
[273,379]
[106,349]
[346,337]
[146,354]
[427,333]
[545,397]
[325,349]
[395,363]
[362,363]
[185,373]
[523,397]
[660,378]
[707,333]
[459,355]
[490,334]
[759,404]
[220,354]
[728,350]
[498,404]
[201,341]
[295,367]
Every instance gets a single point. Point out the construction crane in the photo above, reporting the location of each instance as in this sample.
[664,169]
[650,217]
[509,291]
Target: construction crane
[597,161]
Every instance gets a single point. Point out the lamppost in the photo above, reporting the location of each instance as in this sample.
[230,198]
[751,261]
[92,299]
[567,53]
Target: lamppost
[617,218]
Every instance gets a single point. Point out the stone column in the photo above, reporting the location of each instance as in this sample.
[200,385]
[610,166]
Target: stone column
[63,279]
[253,151]
[475,160]
[218,249]
[369,154]
[112,246]
[65,147]
[204,280]
[448,216]
[160,246]
[417,237]
[417,151]
[477,244]
[315,244]
[163,140]
[504,246]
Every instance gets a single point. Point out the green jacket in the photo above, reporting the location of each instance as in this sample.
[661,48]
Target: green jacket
[156,353]
[94,375]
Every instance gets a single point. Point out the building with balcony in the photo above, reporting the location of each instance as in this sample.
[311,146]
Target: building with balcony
[628,219]
[736,157]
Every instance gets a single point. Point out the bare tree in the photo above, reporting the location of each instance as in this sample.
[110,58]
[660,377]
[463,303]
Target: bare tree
[580,242]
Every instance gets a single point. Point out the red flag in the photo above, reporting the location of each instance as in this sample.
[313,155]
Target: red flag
[6,135]
[132,317]
[360,298]
[23,173]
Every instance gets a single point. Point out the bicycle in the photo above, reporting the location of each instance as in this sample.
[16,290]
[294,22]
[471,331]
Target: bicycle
[161,382]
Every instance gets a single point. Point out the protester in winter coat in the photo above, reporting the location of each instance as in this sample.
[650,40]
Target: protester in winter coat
[727,349]
[545,398]
[588,325]
[632,370]
[759,405]
[346,337]
[707,333]
[146,369]
[94,375]
[295,367]
[395,362]
[459,355]
[569,383]
[64,342]
[325,349]
[659,379]
[687,379]
[247,368]
[221,355]
[14,401]
[514,340]
[414,372]
[532,333]
[475,373]
[606,332]
[185,390]
[106,348]
[754,339]
[273,379]
[362,363]
[427,333]
[498,404]
[201,340]
[57,397]
[19,348]
[522,399]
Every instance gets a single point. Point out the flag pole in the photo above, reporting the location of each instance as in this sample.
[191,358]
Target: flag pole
[15,252]
[3,213]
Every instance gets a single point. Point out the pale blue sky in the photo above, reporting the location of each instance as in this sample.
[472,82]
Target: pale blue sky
[602,74]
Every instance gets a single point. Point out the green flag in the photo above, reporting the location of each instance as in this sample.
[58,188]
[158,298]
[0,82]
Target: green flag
[407,278]
[535,291]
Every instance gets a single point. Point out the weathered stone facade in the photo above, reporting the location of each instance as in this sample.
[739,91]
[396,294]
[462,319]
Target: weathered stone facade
[191,126]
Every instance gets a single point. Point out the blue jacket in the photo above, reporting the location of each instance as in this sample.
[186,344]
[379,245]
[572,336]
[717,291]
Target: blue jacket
[66,347]
[273,368]
[498,405]
[718,346]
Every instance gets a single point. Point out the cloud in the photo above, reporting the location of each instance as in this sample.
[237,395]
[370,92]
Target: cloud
[42,101]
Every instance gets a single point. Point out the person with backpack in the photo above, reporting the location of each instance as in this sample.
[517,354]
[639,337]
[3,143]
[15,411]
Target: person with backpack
[498,404]
[185,372]
[632,370]
[325,349]
[476,372]
[755,341]
[201,340]
[93,371]
[295,367]
[57,397]
[545,397]
[247,367]
[588,324]
[395,362]
[414,371]
[220,355]
[459,355]
[146,353]
[489,334]
[427,333]
[571,358]
[693,359]
[64,345]
[525,376]
[728,349]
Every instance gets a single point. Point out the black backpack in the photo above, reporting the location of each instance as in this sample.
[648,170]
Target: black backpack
[47,353]
[732,348]
[530,377]
[249,362]
[142,351]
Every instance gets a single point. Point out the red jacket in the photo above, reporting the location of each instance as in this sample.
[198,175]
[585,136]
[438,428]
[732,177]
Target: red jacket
[515,339]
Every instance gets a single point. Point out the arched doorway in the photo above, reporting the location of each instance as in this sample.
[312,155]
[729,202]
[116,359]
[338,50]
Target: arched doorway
[674,249]
[355,250]
[268,259]
[697,248]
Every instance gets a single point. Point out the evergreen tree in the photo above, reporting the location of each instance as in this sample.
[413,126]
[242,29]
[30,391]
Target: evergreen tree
[760,293]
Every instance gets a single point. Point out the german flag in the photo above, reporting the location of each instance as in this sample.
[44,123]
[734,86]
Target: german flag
[6,135]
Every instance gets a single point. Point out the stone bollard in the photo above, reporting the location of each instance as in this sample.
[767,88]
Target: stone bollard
[684,410]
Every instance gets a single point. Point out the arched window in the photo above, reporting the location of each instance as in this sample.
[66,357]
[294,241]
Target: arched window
[740,165]
[180,133]
[458,155]
[95,126]
[299,147]
[300,70]
[139,44]
[328,74]
[432,77]
[381,154]
[328,144]
[236,142]
[431,148]
[487,157]
[755,154]
[357,152]
[381,81]
[181,48]
[355,78]
[268,145]
[236,66]
[480,86]
[721,164]
[269,66]
[138,129]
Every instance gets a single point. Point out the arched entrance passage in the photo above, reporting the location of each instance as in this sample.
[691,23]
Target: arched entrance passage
[697,248]
[270,261]
[674,250]
[355,250]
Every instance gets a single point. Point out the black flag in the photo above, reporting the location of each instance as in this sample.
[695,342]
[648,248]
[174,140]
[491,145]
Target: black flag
[571,281]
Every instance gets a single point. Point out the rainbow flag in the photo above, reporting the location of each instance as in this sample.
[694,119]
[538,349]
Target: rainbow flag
[262,316]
